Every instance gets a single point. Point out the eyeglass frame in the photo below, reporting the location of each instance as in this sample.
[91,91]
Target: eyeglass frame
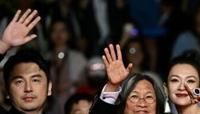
[143,98]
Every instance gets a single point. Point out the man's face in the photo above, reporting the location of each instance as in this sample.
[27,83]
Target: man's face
[28,87]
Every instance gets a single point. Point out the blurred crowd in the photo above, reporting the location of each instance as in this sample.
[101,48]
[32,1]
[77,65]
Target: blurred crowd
[73,33]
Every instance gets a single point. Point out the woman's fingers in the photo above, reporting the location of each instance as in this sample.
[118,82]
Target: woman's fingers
[194,98]
[111,55]
[105,61]
[107,54]
[189,91]
[119,54]
[129,68]
[112,52]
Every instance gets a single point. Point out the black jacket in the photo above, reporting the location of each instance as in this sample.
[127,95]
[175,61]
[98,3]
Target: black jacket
[1,56]
[2,110]
[15,111]
[100,107]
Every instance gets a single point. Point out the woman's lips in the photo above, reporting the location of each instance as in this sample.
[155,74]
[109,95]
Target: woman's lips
[181,94]
[142,112]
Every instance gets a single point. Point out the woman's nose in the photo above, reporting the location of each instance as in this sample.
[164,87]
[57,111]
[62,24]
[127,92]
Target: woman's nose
[142,102]
[181,86]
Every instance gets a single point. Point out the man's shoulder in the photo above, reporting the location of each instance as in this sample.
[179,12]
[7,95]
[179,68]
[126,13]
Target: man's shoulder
[3,111]
[14,111]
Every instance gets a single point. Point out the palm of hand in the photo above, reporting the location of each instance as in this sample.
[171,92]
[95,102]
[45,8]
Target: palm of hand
[114,65]
[15,33]
[116,72]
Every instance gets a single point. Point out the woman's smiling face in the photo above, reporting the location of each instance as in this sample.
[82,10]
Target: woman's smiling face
[179,76]
[142,99]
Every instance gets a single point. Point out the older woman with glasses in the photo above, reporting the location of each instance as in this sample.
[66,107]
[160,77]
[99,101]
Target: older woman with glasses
[127,93]
[141,94]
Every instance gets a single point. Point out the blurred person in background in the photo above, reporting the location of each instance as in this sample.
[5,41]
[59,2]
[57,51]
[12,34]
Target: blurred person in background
[99,22]
[78,103]
[66,64]
[174,22]
[189,39]
[147,14]
[134,53]
[95,76]
[134,49]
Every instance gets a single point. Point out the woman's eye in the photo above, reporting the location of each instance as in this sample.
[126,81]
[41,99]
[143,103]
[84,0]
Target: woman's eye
[134,96]
[149,96]
[191,81]
[174,80]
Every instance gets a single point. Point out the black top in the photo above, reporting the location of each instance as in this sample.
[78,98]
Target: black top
[1,56]
[2,110]
[15,111]
[101,107]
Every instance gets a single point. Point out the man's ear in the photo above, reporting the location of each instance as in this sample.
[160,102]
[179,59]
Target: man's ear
[49,88]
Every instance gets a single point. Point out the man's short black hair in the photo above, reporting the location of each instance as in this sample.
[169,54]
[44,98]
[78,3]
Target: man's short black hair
[24,56]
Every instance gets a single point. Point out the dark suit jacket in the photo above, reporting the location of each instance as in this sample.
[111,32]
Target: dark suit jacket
[100,107]
[2,110]
[1,57]
[15,111]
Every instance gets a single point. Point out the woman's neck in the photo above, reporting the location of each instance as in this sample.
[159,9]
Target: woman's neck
[190,109]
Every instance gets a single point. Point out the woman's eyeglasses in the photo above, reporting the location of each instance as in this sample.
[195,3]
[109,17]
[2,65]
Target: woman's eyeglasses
[147,98]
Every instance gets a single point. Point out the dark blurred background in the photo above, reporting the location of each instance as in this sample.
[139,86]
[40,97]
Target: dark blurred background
[73,33]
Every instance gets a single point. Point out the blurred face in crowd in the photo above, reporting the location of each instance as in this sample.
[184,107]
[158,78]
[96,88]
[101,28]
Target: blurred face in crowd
[60,34]
[142,99]
[28,87]
[179,76]
[135,54]
[82,107]
[197,24]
